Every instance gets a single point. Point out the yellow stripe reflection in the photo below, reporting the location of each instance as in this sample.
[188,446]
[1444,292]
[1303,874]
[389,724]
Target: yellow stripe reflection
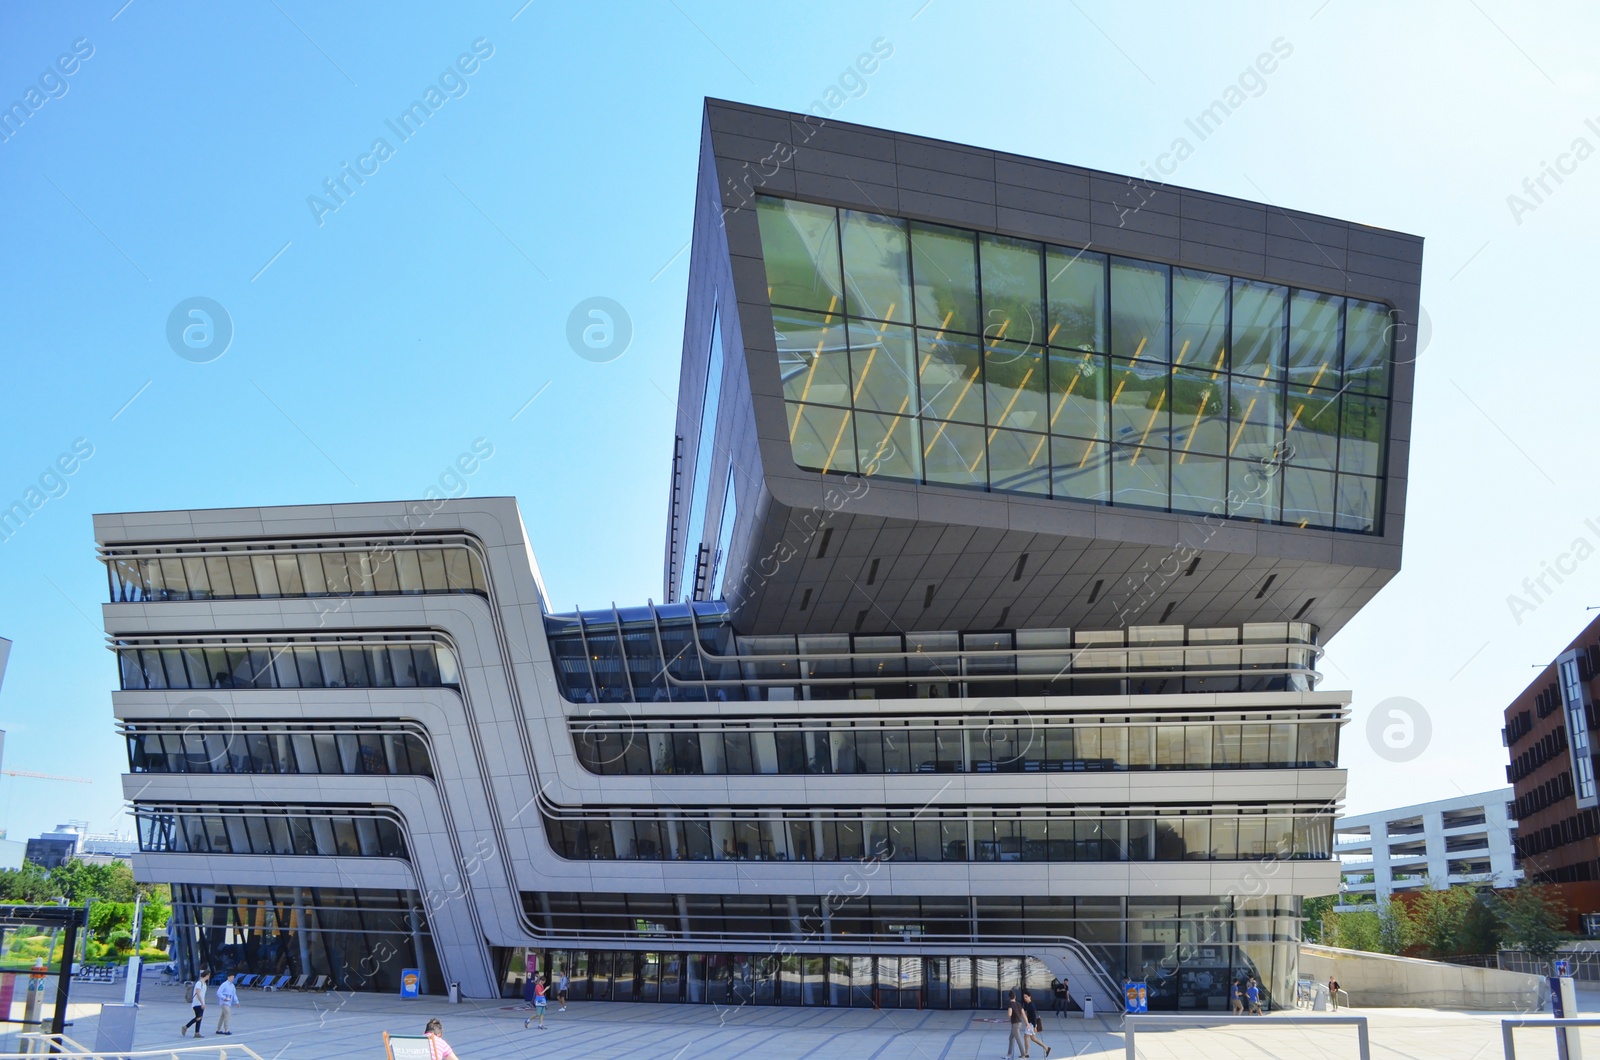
[1242,424]
[1205,397]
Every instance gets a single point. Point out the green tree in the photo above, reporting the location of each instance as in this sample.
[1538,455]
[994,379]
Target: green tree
[1439,919]
[1395,927]
[1351,931]
[1533,919]
[29,884]
[1315,910]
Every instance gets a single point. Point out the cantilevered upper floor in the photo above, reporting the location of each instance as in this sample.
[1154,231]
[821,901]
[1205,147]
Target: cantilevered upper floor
[932,386]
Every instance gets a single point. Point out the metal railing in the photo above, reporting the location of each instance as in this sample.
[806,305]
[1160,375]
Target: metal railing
[1131,1024]
[61,1045]
[1508,1028]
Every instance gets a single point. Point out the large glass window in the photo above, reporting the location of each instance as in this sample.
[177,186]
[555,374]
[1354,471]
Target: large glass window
[315,665]
[892,343]
[290,572]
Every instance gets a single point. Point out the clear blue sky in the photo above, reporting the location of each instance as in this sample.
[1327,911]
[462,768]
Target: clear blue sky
[431,306]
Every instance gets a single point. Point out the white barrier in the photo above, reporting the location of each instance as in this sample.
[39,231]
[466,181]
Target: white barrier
[61,1045]
[1131,1024]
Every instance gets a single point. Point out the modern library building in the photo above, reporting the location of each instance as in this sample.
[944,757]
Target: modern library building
[1011,503]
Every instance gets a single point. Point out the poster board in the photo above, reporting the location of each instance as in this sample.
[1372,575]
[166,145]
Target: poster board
[407,1046]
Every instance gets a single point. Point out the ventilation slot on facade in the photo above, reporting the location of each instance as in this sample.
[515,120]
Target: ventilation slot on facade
[861,619]
[1005,613]
[1166,614]
[927,596]
[1190,569]
[1094,594]
[1022,565]
[872,572]
[1266,585]
[1304,608]
[805,599]
[822,542]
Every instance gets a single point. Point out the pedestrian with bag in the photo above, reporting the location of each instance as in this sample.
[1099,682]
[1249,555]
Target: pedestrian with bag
[197,999]
[1035,1024]
[539,1003]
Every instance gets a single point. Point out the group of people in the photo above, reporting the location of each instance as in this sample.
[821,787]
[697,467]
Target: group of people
[227,998]
[1026,1026]
[1244,997]
[534,994]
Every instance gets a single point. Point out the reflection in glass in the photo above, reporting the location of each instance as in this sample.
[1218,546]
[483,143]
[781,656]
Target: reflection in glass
[1014,385]
[1361,428]
[877,271]
[1312,437]
[1258,329]
[883,363]
[1078,393]
[800,244]
[1358,503]
[1199,319]
[1011,287]
[1138,309]
[1019,461]
[1080,469]
[944,263]
[889,445]
[954,454]
[813,360]
[1314,321]
[1367,338]
[1199,483]
[1139,475]
[1076,283]
[1307,497]
[817,436]
[1199,417]
[949,371]
[1255,490]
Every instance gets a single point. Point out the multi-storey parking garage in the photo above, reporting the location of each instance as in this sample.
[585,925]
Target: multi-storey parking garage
[932,713]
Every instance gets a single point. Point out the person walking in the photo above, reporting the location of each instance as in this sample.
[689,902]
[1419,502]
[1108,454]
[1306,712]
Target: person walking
[1017,1044]
[1253,994]
[227,997]
[1333,992]
[197,999]
[1236,999]
[1061,992]
[562,984]
[1035,1024]
[440,1048]
[539,1003]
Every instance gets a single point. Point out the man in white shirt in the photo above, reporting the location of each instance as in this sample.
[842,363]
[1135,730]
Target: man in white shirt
[198,1001]
[227,997]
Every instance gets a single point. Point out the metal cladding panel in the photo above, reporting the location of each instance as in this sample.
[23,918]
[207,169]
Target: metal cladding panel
[1320,576]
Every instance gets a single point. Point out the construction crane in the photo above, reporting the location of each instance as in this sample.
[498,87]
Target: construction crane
[44,776]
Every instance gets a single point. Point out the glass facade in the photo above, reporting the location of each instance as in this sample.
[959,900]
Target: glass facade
[695,574]
[331,832]
[959,358]
[352,663]
[1186,948]
[989,743]
[360,939]
[690,653]
[1199,833]
[274,573]
[310,747]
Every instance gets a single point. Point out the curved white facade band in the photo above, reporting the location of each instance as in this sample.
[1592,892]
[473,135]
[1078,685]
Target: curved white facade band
[469,774]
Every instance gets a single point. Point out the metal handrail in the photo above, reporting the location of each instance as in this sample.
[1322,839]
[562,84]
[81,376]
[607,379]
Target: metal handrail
[59,1044]
[1132,1023]
[1509,1026]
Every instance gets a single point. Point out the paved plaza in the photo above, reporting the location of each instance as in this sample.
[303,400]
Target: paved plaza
[287,1026]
